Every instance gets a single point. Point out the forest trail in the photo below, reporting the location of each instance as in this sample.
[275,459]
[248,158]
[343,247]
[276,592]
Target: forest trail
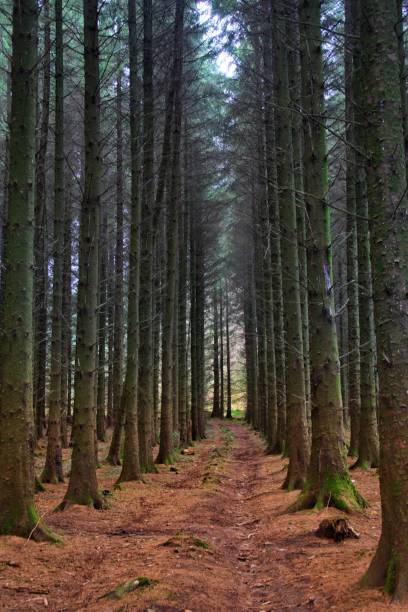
[211,536]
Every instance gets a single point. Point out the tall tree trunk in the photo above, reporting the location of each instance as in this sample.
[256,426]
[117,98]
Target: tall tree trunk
[66,340]
[328,481]
[368,450]
[83,484]
[18,515]
[250,350]
[118,312]
[216,358]
[275,243]
[145,389]
[131,464]
[222,386]
[353,344]
[102,312]
[182,304]
[296,417]
[399,26]
[166,423]
[53,471]
[40,257]
[388,209]
[117,369]
[228,347]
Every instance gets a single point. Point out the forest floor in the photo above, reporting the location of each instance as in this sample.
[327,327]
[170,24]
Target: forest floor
[212,535]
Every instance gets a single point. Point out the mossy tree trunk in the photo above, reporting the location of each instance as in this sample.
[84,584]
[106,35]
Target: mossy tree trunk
[18,515]
[388,210]
[83,484]
[53,470]
[328,481]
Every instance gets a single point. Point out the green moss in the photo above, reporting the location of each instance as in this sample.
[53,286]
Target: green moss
[181,538]
[149,469]
[201,543]
[391,578]
[340,492]
[140,582]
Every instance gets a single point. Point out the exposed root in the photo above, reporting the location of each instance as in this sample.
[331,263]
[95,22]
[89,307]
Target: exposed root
[337,491]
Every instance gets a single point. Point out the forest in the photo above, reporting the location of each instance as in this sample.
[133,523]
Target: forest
[203,305]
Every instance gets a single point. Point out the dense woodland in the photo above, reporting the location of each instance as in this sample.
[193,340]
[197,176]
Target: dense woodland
[203,210]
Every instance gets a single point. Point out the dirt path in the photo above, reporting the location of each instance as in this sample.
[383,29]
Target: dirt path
[211,535]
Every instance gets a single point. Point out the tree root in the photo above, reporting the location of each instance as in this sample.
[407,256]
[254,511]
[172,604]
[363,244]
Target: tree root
[337,491]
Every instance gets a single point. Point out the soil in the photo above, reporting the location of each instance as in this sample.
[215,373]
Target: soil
[212,535]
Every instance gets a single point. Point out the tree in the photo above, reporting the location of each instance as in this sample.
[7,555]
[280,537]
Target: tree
[328,481]
[296,417]
[388,207]
[145,389]
[83,484]
[131,464]
[53,471]
[40,246]
[169,373]
[18,515]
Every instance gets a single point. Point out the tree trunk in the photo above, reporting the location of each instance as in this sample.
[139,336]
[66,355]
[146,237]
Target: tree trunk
[118,295]
[368,450]
[117,370]
[66,340]
[40,257]
[388,209]
[145,388]
[328,481]
[296,417]
[53,471]
[228,341]
[83,485]
[103,295]
[131,464]
[353,345]
[169,373]
[275,243]
[18,515]
[216,358]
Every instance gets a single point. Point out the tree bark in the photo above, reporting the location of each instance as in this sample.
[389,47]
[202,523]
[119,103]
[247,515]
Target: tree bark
[53,470]
[83,485]
[131,464]
[388,209]
[40,231]
[18,515]
[328,481]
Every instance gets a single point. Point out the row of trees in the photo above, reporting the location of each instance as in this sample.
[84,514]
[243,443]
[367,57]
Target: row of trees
[316,142]
[119,282]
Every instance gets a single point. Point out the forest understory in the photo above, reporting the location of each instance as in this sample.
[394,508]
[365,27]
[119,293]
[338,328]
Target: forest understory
[210,532]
